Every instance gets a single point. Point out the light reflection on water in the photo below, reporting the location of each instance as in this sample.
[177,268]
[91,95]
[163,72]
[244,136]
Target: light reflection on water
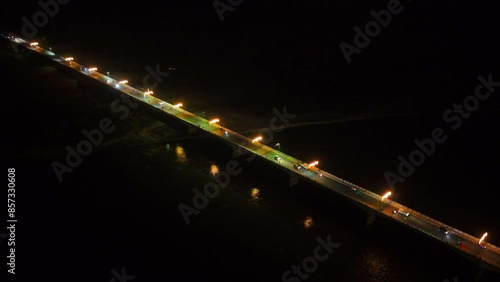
[308,222]
[364,265]
[373,266]
[214,169]
[181,154]
[255,194]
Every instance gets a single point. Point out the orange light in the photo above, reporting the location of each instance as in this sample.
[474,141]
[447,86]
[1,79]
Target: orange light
[216,120]
[92,69]
[178,105]
[68,59]
[257,139]
[482,238]
[123,82]
[386,195]
[214,169]
[255,194]
[315,163]
[148,92]
[308,222]
[34,44]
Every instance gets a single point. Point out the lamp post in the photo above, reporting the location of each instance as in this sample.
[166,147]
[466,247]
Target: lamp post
[482,239]
[313,164]
[257,139]
[383,198]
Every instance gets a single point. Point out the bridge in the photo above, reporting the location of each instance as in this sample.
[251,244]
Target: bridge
[484,254]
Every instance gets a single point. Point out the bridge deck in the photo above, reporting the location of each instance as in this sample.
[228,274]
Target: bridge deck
[420,222]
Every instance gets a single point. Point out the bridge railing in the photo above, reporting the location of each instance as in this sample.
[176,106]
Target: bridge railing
[415,213]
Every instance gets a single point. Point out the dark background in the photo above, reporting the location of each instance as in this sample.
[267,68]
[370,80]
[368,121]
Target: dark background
[110,213]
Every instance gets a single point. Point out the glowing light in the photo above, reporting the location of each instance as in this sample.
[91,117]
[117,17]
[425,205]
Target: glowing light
[214,169]
[34,44]
[123,82]
[149,92]
[255,194]
[315,163]
[92,69]
[257,139]
[482,238]
[308,222]
[386,195]
[178,105]
[216,120]
[68,59]
[181,155]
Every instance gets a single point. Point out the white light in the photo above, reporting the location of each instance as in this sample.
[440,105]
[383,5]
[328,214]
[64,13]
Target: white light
[68,59]
[34,44]
[257,139]
[92,69]
[482,238]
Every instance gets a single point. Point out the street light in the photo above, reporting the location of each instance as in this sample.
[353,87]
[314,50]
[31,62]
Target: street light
[315,163]
[383,198]
[216,120]
[386,195]
[278,146]
[257,139]
[482,238]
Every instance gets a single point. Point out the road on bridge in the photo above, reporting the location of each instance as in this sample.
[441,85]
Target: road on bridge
[455,238]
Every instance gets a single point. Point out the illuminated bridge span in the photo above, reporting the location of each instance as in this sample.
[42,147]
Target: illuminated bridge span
[481,252]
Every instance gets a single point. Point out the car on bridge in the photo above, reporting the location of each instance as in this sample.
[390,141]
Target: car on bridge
[276,157]
[297,166]
[405,213]
[442,229]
